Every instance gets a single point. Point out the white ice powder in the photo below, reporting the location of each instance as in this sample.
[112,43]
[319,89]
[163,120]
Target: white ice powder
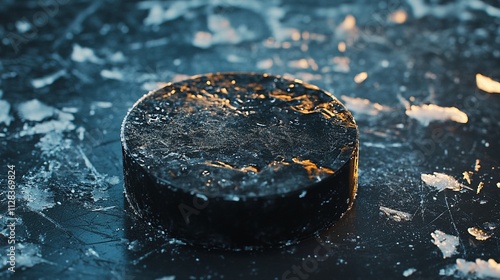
[4,112]
[441,181]
[480,269]
[446,243]
[426,114]
[363,106]
[83,54]
[34,110]
[47,80]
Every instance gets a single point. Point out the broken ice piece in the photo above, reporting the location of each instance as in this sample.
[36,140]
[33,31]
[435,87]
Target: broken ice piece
[481,269]
[395,215]
[441,181]
[34,110]
[446,243]
[478,233]
[409,272]
[4,112]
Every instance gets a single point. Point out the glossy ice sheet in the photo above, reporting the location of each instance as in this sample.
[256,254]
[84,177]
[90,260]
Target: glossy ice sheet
[71,69]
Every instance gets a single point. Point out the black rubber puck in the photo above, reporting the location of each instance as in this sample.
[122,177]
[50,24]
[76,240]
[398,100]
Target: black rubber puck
[240,160]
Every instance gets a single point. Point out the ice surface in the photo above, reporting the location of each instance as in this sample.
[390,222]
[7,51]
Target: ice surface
[425,114]
[446,243]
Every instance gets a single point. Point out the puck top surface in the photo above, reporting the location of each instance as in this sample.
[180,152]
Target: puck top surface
[238,135]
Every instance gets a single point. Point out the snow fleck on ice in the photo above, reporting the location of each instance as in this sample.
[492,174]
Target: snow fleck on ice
[38,199]
[117,57]
[4,112]
[157,15]
[446,243]
[360,77]
[82,54]
[487,84]
[47,80]
[166,278]
[349,23]
[222,32]
[113,180]
[113,74]
[23,26]
[299,63]
[48,126]
[442,181]
[102,104]
[34,110]
[426,114]
[91,252]
[409,272]
[53,143]
[480,269]
[27,255]
[265,63]
[398,16]
[395,215]
[363,106]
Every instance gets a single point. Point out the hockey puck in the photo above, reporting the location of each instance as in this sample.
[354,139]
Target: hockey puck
[240,160]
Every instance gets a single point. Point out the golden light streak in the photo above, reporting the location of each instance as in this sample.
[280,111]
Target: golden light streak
[360,77]
[487,84]
[399,17]
[349,23]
